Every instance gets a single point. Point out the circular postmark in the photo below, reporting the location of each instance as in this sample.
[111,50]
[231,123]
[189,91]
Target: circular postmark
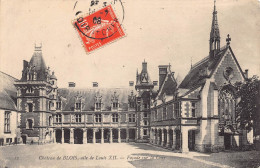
[101,24]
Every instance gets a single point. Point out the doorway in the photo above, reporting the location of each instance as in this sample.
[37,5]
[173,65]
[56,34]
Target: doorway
[191,140]
[78,136]
[227,141]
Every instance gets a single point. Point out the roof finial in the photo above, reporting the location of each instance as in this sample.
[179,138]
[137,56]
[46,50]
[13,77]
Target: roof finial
[144,60]
[228,39]
[169,66]
[37,48]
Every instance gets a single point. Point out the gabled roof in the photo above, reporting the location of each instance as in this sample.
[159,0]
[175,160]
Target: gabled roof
[87,97]
[194,78]
[7,92]
[169,84]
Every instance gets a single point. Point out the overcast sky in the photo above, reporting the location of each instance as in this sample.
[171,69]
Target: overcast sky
[161,32]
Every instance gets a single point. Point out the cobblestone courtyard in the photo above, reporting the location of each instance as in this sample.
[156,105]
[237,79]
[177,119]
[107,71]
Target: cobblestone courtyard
[118,155]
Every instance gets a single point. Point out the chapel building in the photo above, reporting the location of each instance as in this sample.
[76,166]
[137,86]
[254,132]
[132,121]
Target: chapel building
[197,114]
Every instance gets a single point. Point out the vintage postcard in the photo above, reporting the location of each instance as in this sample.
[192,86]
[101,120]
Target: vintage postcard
[129,83]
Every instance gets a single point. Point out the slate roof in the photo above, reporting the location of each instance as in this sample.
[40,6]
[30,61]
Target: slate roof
[194,78]
[87,97]
[7,92]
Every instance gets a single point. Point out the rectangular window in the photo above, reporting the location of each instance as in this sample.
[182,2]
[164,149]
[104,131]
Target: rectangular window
[115,117]
[58,105]
[145,114]
[145,122]
[177,109]
[7,121]
[98,118]
[145,131]
[98,105]
[155,115]
[29,124]
[193,109]
[30,107]
[164,113]
[115,105]
[145,106]
[131,117]
[58,118]
[132,104]
[78,118]
[78,105]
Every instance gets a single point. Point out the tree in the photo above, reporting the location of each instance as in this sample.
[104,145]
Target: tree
[248,108]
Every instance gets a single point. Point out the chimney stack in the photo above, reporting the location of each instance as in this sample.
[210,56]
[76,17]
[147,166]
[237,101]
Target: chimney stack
[246,73]
[131,83]
[95,84]
[155,83]
[144,66]
[25,64]
[162,73]
[72,84]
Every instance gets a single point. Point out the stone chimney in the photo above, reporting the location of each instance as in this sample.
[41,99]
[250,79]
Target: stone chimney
[95,84]
[131,83]
[246,73]
[144,66]
[25,64]
[162,74]
[155,83]
[72,84]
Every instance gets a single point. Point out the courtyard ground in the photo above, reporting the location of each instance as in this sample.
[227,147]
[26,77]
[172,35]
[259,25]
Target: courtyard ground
[119,155]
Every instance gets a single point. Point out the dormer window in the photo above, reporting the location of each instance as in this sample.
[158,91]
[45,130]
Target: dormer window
[115,105]
[114,101]
[132,104]
[98,106]
[78,105]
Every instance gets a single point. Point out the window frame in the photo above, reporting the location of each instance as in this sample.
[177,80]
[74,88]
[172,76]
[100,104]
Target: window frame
[193,109]
[78,118]
[7,122]
[115,118]
[28,124]
[58,118]
[98,118]
[30,109]
[58,105]
[131,118]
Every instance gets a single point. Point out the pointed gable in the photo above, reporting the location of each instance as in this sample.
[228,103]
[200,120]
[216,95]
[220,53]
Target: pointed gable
[227,69]
[201,70]
[143,79]
[169,85]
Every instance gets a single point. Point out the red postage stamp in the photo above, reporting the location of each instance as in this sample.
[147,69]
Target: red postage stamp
[99,28]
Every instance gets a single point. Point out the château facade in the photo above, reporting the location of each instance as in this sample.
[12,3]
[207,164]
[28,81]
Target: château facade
[197,114]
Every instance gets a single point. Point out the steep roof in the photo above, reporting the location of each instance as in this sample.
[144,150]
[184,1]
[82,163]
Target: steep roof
[7,92]
[196,76]
[87,97]
[38,62]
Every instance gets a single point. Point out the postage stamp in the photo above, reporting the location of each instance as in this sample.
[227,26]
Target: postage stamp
[99,28]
